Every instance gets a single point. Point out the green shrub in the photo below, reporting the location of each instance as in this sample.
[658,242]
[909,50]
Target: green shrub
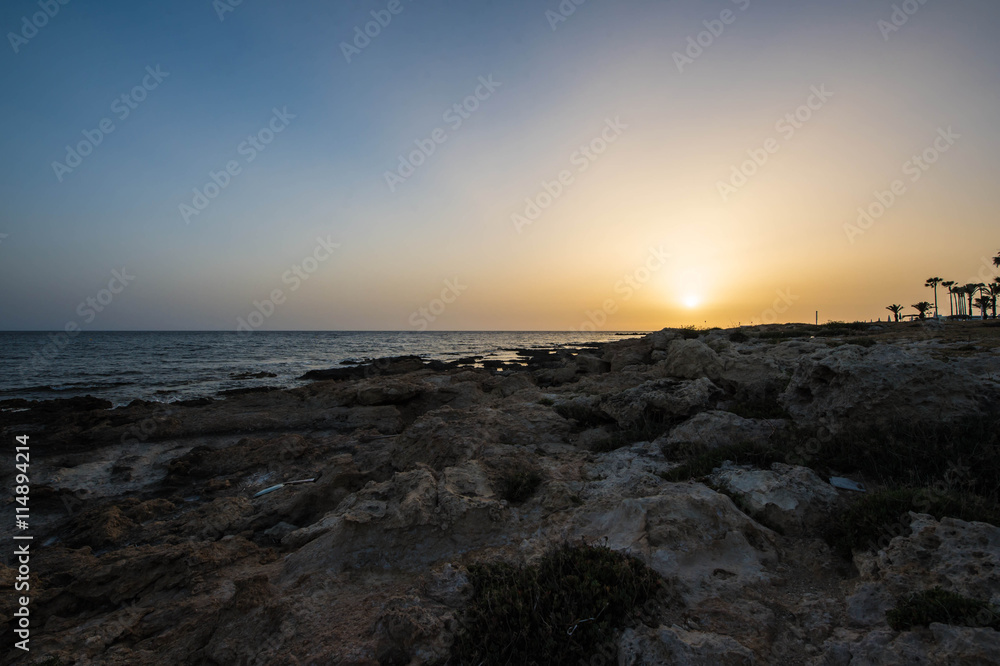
[689,332]
[561,611]
[516,486]
[874,519]
[738,336]
[923,608]
[917,454]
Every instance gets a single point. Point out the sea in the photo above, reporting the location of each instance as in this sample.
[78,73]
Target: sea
[170,366]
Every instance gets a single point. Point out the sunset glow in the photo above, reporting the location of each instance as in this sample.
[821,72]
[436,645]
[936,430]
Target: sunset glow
[803,149]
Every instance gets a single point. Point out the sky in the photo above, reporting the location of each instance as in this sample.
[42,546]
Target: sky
[517,165]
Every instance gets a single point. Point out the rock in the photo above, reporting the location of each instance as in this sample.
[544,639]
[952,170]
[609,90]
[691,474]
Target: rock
[596,438]
[885,384]
[692,359]
[279,531]
[712,429]
[940,644]
[658,401]
[592,364]
[661,339]
[789,497]
[631,471]
[673,645]
[868,605]
[444,437]
[961,557]
[410,632]
[396,365]
[387,391]
[687,533]
[625,353]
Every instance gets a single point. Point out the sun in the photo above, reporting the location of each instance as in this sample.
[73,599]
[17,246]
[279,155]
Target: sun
[691,301]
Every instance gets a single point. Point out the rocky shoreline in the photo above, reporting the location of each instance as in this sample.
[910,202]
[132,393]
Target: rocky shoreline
[151,547]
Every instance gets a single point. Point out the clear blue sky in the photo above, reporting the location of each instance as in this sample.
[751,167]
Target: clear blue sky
[324,174]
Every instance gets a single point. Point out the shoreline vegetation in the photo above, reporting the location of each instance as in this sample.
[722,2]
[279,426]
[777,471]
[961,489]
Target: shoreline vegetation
[784,493]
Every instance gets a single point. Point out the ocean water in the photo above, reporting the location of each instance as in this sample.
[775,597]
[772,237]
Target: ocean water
[168,366]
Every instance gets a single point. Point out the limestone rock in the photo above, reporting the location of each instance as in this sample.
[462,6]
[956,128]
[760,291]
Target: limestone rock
[692,359]
[674,645]
[658,400]
[714,428]
[887,383]
[791,497]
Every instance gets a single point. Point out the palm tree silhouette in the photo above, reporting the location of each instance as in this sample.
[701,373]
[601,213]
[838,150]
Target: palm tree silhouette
[922,307]
[934,282]
[895,309]
[994,290]
[951,296]
[970,290]
[983,302]
[996,260]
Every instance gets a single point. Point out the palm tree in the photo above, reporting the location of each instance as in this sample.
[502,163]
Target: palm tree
[983,302]
[895,310]
[951,296]
[970,290]
[957,292]
[996,260]
[934,282]
[922,307]
[994,293]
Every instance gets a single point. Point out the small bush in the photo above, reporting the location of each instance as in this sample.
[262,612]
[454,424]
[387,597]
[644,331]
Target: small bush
[874,519]
[923,608]
[548,402]
[917,454]
[560,611]
[690,333]
[738,336]
[518,486]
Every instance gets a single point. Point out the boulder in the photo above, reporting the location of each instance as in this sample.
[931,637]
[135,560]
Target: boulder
[674,645]
[658,401]
[959,556]
[714,428]
[789,497]
[686,532]
[885,384]
[692,359]
[939,644]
